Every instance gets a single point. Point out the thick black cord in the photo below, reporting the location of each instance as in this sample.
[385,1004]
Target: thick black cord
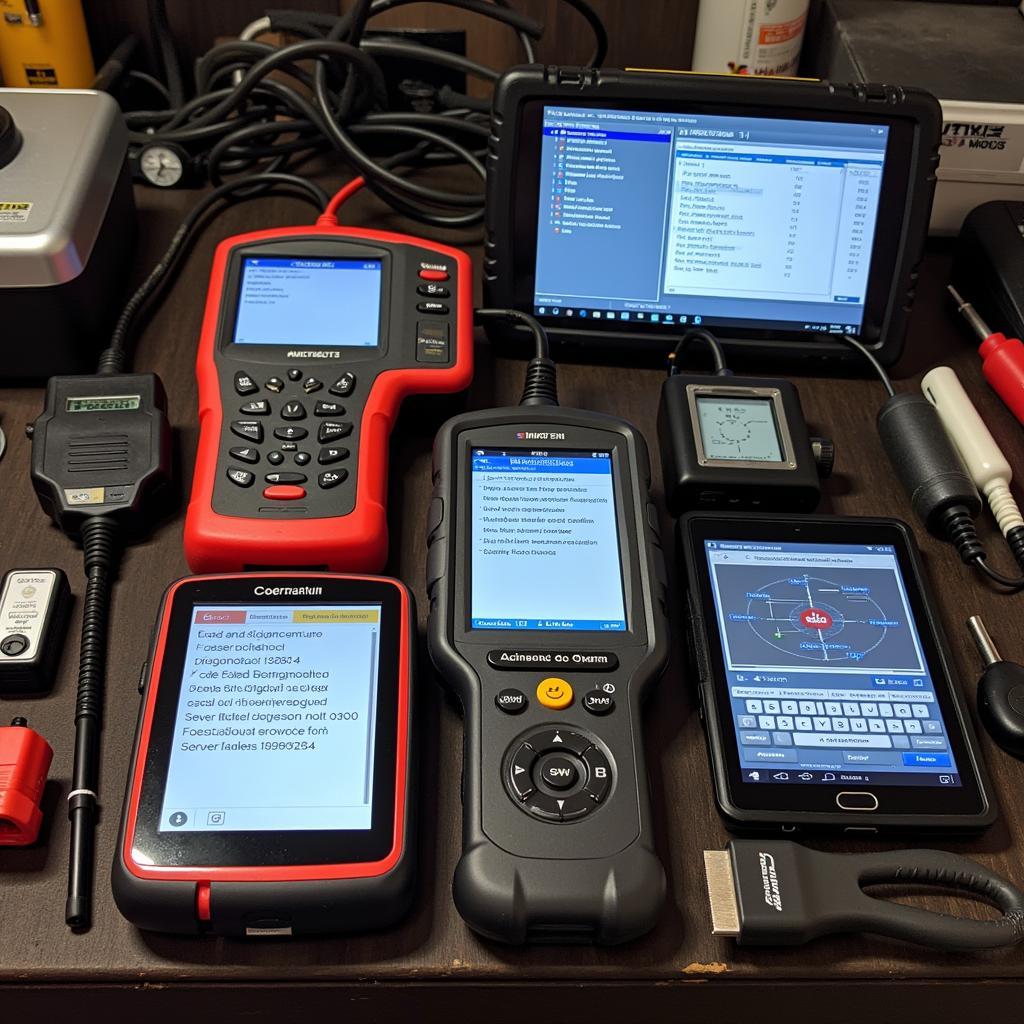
[329,89]
[541,384]
[1013,584]
[163,43]
[883,376]
[1015,540]
[597,27]
[100,551]
[112,359]
[115,66]
[957,524]
[689,337]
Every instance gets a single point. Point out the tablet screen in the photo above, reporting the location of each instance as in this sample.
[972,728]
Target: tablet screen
[657,217]
[828,681]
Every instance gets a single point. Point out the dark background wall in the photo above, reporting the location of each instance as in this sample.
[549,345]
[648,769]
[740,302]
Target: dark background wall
[642,33]
[651,33]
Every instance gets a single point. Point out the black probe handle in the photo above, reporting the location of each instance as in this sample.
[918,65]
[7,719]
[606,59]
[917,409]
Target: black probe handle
[82,810]
[822,894]
[925,459]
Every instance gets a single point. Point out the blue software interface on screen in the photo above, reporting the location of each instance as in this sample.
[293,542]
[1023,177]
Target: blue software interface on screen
[276,720]
[545,541]
[654,217]
[827,678]
[309,302]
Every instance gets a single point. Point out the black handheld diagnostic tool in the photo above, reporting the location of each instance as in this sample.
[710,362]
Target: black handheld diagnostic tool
[736,442]
[270,788]
[547,619]
[826,685]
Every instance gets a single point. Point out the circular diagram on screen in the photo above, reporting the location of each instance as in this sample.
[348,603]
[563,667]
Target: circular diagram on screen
[817,619]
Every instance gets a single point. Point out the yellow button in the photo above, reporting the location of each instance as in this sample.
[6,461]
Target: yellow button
[554,693]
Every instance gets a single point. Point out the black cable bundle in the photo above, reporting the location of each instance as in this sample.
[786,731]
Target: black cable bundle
[328,92]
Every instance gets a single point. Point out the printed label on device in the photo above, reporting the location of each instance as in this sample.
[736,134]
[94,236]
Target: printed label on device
[23,606]
[431,341]
[517,658]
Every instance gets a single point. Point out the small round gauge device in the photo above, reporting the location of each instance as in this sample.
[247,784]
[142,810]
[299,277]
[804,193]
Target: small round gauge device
[163,164]
[738,443]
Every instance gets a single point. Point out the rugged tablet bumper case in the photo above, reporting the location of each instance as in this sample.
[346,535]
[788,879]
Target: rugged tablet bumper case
[743,821]
[517,898]
[283,909]
[506,226]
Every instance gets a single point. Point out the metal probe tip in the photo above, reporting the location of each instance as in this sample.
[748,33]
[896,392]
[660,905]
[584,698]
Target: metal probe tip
[988,650]
[969,313]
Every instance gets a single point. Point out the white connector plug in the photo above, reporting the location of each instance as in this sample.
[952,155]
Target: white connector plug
[985,461]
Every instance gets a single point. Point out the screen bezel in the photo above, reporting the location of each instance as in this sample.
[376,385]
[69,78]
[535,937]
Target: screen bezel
[782,800]
[549,451]
[501,434]
[318,248]
[889,221]
[151,847]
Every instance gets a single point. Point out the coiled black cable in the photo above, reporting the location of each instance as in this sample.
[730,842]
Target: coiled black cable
[257,106]
[100,548]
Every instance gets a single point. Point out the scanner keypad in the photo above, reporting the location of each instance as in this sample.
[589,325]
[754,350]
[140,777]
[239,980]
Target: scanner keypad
[277,432]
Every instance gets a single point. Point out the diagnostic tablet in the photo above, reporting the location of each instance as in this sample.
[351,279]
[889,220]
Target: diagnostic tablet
[624,206]
[269,789]
[827,689]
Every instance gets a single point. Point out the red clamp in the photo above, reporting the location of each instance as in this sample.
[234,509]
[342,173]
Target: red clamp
[24,763]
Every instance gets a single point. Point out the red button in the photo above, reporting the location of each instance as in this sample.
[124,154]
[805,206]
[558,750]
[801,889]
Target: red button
[434,275]
[284,492]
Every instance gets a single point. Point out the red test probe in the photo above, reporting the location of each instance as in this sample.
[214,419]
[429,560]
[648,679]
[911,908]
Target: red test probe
[1002,358]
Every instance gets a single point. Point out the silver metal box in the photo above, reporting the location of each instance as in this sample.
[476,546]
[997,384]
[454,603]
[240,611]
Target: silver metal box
[67,224]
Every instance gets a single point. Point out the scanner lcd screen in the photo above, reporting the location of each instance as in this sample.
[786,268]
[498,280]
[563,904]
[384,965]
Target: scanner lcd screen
[276,719]
[545,541]
[737,429]
[660,218]
[309,303]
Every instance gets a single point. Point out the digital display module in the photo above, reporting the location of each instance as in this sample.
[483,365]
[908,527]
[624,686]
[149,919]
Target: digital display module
[658,218]
[276,719]
[315,303]
[545,541]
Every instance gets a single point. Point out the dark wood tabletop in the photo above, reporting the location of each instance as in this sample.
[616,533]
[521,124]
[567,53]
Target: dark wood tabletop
[420,966]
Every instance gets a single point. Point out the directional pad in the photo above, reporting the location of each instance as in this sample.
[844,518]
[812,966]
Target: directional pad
[558,775]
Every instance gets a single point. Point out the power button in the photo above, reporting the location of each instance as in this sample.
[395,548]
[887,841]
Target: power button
[14,645]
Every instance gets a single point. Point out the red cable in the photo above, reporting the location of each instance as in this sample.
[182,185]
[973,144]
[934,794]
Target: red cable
[330,214]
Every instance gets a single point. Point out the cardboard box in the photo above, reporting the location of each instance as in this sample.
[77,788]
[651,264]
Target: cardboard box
[968,55]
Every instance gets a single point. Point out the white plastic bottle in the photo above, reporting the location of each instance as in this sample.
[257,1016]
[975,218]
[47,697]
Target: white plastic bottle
[750,37]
